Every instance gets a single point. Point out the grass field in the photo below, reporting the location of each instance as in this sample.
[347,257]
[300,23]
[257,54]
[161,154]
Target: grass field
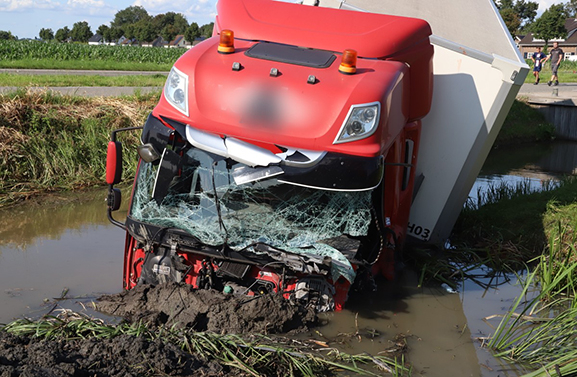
[18,80]
[52,55]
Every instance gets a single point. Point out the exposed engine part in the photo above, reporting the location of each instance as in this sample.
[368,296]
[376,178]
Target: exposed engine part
[163,266]
[205,278]
[315,292]
[234,269]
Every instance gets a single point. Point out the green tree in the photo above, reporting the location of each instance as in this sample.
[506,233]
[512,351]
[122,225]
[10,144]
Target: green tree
[511,20]
[571,8]
[102,29]
[130,15]
[551,24]
[62,34]
[517,14]
[206,30]
[113,34]
[526,11]
[192,32]
[46,34]
[144,31]
[6,35]
[81,32]
[173,25]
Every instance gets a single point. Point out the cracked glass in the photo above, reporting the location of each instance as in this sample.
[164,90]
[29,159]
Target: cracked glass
[204,200]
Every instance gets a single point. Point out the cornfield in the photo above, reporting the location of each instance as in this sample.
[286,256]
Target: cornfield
[36,50]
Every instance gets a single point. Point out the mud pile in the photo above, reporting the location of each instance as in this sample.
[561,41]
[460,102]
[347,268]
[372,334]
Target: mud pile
[122,356]
[207,310]
[170,305]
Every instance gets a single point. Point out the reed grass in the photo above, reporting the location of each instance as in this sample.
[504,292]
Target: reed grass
[509,222]
[256,355]
[540,329]
[52,142]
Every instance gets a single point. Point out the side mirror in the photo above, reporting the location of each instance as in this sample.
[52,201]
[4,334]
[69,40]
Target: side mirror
[114,163]
[114,199]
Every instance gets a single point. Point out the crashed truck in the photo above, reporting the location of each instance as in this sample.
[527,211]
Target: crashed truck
[300,147]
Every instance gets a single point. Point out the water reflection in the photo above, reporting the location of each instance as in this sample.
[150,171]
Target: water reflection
[57,242]
[540,160]
[534,166]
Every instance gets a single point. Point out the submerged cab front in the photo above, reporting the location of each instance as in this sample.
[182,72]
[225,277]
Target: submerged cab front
[282,152]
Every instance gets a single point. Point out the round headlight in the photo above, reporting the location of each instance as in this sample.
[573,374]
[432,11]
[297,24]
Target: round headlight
[355,128]
[179,96]
[368,115]
[174,81]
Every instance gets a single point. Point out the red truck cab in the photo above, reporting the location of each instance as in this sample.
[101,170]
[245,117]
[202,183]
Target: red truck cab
[281,156]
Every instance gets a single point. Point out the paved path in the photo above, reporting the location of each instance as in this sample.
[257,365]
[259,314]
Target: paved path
[536,93]
[563,94]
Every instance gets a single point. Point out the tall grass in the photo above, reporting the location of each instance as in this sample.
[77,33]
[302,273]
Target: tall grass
[53,142]
[256,355]
[541,330]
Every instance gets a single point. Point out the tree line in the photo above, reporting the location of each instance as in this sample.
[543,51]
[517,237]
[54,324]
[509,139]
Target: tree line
[519,17]
[133,22]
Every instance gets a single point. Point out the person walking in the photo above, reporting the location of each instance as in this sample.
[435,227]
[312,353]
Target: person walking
[538,58]
[555,55]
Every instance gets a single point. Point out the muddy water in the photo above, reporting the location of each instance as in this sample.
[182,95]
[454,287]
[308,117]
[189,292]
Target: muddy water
[59,242]
[66,242]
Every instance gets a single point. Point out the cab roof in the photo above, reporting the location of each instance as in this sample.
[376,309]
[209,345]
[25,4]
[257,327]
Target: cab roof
[371,35]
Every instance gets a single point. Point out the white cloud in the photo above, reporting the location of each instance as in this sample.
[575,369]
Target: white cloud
[545,4]
[24,5]
[89,7]
[199,11]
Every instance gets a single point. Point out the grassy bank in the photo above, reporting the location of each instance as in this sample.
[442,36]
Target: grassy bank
[53,142]
[17,80]
[524,124]
[514,217]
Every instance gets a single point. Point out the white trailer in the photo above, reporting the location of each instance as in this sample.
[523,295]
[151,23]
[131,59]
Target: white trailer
[477,74]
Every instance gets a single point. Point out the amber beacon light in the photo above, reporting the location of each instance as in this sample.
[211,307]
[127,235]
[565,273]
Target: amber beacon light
[226,44]
[349,62]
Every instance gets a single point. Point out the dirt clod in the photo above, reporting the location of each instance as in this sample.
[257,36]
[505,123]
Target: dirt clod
[170,305]
[121,356]
[207,310]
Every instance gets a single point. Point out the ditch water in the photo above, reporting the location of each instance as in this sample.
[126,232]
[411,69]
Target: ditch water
[64,241]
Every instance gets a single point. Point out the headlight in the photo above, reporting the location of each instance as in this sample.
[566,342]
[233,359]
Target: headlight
[176,90]
[361,122]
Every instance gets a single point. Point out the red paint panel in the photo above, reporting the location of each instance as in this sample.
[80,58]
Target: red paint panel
[111,163]
[372,35]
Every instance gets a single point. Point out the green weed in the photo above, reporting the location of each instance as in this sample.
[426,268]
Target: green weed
[256,355]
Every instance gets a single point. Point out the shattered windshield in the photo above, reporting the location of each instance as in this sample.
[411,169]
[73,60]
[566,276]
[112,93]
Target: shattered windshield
[204,200]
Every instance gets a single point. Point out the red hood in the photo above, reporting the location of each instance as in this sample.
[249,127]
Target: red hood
[372,35]
[296,113]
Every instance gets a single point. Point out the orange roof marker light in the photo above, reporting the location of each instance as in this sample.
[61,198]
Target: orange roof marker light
[349,62]
[226,44]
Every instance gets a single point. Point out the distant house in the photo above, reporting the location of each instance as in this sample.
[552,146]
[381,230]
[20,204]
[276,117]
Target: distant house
[197,40]
[158,42]
[96,39]
[528,44]
[179,41]
[118,42]
[130,42]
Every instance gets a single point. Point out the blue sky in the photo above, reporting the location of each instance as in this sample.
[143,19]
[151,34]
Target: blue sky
[25,18]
